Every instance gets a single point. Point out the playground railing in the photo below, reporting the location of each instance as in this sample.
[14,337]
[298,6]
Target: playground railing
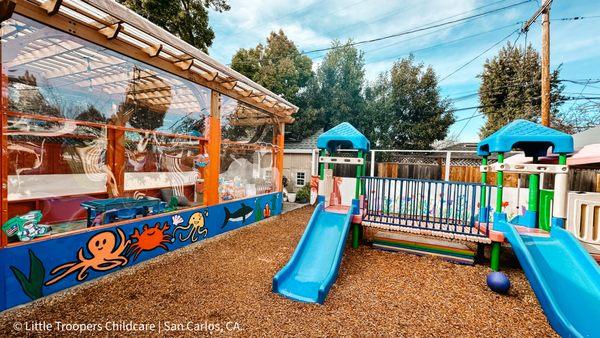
[438,206]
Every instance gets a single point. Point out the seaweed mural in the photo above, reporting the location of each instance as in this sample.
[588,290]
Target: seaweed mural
[31,285]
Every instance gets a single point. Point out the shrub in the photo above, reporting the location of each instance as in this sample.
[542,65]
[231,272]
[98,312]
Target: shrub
[303,195]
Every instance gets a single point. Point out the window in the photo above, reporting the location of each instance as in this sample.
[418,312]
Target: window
[300,178]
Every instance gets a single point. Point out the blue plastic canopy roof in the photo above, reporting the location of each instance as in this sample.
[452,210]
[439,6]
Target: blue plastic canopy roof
[344,136]
[534,139]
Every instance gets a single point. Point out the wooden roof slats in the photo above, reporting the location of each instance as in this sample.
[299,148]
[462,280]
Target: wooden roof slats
[185,64]
[51,6]
[111,31]
[154,50]
[116,22]
[107,8]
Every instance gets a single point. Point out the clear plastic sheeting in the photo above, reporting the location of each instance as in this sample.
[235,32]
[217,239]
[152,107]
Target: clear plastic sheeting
[156,162]
[50,159]
[245,172]
[56,74]
[247,151]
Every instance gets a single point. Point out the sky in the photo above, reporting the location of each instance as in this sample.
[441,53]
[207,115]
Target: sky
[313,24]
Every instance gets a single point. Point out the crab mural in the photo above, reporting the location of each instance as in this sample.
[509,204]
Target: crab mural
[149,239]
[105,253]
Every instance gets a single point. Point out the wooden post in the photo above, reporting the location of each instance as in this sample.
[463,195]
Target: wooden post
[278,140]
[544,11]
[115,159]
[214,150]
[4,159]
[546,66]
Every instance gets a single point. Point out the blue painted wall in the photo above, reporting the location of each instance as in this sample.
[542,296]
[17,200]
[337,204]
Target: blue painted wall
[42,267]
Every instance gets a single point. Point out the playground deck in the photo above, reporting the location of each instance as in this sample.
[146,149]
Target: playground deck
[228,278]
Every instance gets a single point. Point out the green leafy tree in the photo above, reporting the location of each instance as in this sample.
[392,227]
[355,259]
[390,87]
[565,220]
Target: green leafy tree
[280,67]
[188,19]
[405,109]
[336,93]
[511,89]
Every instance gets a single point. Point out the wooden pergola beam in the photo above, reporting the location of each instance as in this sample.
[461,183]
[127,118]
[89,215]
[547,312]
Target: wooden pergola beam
[7,9]
[51,6]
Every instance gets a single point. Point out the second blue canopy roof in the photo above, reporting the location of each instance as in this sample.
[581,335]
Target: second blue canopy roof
[534,139]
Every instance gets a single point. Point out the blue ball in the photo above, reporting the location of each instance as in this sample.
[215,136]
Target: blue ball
[498,282]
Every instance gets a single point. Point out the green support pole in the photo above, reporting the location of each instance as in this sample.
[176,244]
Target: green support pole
[364,171]
[495,256]
[322,166]
[562,159]
[534,190]
[356,227]
[495,253]
[358,175]
[483,197]
[499,184]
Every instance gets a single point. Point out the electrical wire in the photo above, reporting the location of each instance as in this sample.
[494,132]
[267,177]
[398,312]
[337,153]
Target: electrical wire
[479,55]
[415,30]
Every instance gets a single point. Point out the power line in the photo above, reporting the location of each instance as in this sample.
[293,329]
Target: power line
[394,12]
[415,30]
[443,43]
[466,124]
[479,55]
[575,18]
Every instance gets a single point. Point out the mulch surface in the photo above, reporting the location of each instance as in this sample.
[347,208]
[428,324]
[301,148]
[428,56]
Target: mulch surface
[228,279]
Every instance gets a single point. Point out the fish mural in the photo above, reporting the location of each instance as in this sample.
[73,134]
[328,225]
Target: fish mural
[240,215]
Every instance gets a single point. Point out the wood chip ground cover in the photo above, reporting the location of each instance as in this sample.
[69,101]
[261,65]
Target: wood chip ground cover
[228,279]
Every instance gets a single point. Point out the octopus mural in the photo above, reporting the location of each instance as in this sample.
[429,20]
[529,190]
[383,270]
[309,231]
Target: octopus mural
[106,254]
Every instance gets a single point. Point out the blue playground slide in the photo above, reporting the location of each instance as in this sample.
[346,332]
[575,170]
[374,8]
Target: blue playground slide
[313,268]
[564,277]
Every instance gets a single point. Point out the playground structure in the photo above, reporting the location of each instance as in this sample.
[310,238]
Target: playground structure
[120,142]
[434,216]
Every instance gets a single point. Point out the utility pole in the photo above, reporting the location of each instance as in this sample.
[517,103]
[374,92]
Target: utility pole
[544,11]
